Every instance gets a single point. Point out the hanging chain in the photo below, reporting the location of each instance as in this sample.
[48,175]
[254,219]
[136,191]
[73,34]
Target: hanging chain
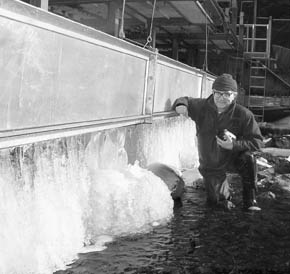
[149,38]
[121,31]
[205,65]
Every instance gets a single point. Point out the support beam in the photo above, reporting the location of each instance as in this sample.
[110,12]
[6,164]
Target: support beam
[44,4]
[177,21]
[191,52]
[113,18]
[175,47]
[39,3]
[234,16]
[154,37]
[74,2]
[160,22]
[241,31]
[180,13]
[196,36]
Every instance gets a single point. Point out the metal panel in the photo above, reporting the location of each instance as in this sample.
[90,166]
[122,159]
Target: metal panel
[50,78]
[60,78]
[174,81]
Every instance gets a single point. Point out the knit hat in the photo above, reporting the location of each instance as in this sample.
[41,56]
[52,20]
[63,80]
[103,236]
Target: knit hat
[225,82]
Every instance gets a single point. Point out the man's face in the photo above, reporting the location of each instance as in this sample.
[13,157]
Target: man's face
[223,99]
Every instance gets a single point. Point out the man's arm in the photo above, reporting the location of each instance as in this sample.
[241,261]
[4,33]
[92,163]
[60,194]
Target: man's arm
[187,106]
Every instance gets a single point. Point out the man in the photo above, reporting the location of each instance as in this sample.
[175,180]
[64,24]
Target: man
[227,135]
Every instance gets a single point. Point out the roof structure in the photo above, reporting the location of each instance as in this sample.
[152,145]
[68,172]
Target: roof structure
[176,26]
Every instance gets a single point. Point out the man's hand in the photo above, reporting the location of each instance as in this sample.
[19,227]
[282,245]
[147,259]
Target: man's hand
[182,110]
[227,143]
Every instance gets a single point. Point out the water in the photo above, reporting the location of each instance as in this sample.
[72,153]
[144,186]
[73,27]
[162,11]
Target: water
[66,196]
[169,248]
[200,239]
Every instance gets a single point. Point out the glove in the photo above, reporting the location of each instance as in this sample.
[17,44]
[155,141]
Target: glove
[181,109]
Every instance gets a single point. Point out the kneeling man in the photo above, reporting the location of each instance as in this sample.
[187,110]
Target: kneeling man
[228,136]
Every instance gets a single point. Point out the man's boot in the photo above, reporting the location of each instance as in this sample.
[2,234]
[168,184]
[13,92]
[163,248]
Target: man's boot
[248,172]
[218,191]
[249,197]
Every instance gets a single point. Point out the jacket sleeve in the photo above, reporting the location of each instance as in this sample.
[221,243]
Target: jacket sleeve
[193,105]
[251,138]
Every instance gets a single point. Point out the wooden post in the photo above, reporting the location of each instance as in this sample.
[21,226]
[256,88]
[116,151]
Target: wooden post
[112,26]
[44,4]
[117,22]
[241,31]
[175,48]
[254,27]
[269,33]
[190,56]
[255,12]
[154,37]
[39,3]
[234,17]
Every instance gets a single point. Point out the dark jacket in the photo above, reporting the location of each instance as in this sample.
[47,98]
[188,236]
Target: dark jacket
[237,119]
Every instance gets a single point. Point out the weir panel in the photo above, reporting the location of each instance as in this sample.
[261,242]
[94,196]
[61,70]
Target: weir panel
[60,78]
[75,139]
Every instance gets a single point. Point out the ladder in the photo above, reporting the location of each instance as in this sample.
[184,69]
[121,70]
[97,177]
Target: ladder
[256,41]
[257,89]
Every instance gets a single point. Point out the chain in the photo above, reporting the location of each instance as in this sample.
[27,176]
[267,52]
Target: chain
[205,64]
[149,38]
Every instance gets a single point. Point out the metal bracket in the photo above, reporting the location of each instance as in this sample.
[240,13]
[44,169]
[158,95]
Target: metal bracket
[150,87]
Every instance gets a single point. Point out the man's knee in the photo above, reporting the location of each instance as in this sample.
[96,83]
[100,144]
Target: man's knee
[248,157]
[247,166]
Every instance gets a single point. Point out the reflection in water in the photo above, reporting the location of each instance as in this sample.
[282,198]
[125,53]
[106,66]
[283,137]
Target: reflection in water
[57,196]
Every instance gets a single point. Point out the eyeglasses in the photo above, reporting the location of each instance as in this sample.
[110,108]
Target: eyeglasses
[225,95]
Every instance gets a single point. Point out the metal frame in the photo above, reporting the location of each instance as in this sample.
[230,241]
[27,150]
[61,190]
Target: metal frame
[26,14]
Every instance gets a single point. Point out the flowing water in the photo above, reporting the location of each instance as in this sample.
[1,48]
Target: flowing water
[63,197]
[84,205]
[203,240]
[166,248]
